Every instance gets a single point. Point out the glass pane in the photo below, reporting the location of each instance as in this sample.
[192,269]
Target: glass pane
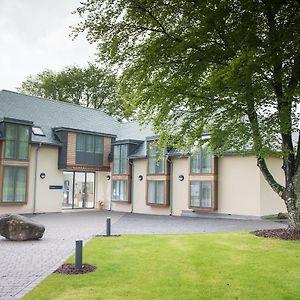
[11,131]
[8,184]
[79,190]
[116,159]
[205,194]
[151,150]
[89,190]
[123,166]
[205,161]
[23,133]
[20,188]
[10,149]
[196,163]
[98,145]
[68,190]
[23,150]
[115,191]
[195,194]
[160,166]
[151,165]
[123,189]
[151,191]
[160,192]
[90,146]
[80,143]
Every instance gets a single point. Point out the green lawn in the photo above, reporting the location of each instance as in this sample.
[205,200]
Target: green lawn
[190,266]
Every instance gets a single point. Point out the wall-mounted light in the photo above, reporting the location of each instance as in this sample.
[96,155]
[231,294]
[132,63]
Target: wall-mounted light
[181,177]
[108,177]
[140,177]
[42,175]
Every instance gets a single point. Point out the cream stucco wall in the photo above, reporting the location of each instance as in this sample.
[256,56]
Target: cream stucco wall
[238,186]
[103,189]
[180,189]
[270,202]
[46,200]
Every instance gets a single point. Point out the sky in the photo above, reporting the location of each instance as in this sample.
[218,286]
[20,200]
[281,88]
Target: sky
[34,36]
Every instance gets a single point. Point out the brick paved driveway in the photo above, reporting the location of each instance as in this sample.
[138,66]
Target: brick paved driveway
[24,264]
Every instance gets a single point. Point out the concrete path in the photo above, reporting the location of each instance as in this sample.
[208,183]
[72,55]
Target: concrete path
[24,264]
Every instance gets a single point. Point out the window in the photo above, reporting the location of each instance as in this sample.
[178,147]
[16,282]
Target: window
[119,190]
[17,141]
[38,131]
[201,162]
[14,184]
[89,149]
[201,194]
[120,159]
[156,164]
[156,192]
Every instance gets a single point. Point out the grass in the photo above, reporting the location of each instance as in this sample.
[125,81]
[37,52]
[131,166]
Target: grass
[191,266]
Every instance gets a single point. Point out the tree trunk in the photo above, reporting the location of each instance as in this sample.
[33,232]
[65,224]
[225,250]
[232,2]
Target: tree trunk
[292,200]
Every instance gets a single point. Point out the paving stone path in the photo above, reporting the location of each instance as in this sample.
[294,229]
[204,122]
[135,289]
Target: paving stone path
[24,264]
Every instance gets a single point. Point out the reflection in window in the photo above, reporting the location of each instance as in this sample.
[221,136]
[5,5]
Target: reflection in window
[201,162]
[14,184]
[156,192]
[201,194]
[17,141]
[120,159]
[119,190]
[155,160]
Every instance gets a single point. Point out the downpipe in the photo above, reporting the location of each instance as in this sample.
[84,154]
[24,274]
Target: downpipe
[171,185]
[35,176]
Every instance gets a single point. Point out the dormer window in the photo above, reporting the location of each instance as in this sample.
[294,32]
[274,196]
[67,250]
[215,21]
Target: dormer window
[156,164]
[38,131]
[16,141]
[120,159]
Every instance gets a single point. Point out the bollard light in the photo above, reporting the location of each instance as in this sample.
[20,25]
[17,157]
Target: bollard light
[78,255]
[108,226]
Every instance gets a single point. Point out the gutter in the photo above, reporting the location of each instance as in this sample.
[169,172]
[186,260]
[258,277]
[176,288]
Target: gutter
[35,176]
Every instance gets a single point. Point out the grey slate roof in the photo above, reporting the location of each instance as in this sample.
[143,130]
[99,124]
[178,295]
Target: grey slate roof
[133,131]
[50,114]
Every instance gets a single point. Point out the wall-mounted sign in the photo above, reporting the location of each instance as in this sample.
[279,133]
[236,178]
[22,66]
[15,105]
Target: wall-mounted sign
[55,187]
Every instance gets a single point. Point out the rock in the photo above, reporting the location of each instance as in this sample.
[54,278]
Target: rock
[20,228]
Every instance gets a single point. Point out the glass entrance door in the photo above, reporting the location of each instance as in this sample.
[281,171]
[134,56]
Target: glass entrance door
[79,190]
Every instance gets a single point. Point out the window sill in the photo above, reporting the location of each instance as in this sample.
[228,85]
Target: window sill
[121,201]
[158,205]
[12,203]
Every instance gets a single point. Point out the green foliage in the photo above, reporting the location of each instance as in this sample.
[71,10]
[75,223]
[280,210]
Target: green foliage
[194,66]
[92,86]
[191,266]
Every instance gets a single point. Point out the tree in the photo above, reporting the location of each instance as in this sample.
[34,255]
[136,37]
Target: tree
[229,67]
[91,87]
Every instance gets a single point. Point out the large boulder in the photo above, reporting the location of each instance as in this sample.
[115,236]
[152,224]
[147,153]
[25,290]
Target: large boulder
[20,228]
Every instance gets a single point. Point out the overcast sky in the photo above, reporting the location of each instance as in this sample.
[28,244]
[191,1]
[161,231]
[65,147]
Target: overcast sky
[34,35]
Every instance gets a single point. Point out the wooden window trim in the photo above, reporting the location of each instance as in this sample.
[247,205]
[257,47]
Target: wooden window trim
[17,153]
[213,178]
[127,164]
[13,203]
[166,194]
[213,197]
[128,200]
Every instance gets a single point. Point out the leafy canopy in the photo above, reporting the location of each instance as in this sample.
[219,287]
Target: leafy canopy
[92,86]
[228,67]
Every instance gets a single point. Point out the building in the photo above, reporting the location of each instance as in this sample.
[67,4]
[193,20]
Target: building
[56,155]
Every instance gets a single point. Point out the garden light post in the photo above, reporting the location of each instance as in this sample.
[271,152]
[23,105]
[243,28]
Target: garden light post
[108,226]
[78,255]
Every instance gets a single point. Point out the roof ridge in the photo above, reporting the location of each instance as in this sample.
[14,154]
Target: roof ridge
[61,102]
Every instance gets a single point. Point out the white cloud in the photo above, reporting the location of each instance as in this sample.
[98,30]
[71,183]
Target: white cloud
[34,35]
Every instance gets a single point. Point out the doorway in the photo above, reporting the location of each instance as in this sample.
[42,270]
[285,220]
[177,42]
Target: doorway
[79,190]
